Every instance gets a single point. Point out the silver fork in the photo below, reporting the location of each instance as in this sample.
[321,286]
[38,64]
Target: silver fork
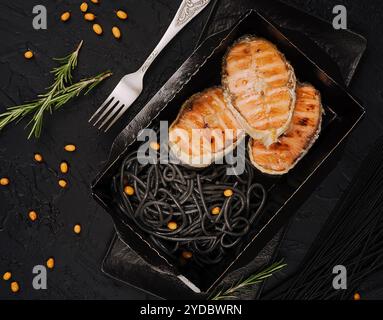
[130,86]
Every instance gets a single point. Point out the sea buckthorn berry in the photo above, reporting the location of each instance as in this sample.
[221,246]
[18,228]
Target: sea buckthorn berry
[129,190]
[64,168]
[38,157]
[51,263]
[70,148]
[89,17]
[116,32]
[121,14]
[28,54]
[357,296]
[155,146]
[228,193]
[63,183]
[95,1]
[65,16]
[77,229]
[172,225]
[7,275]
[216,211]
[15,287]
[32,215]
[84,7]
[187,255]
[97,29]
[4,181]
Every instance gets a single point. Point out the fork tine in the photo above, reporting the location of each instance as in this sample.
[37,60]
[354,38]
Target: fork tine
[112,105]
[122,111]
[115,110]
[106,102]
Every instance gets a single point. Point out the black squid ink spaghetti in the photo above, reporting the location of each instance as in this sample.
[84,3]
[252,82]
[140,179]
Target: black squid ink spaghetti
[187,213]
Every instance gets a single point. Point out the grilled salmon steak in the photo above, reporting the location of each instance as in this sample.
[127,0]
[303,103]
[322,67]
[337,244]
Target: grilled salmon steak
[205,129]
[259,88]
[283,155]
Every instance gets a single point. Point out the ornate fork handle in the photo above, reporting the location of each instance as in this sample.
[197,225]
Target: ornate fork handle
[188,10]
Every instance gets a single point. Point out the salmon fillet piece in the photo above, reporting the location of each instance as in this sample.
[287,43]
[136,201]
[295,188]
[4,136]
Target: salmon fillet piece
[259,88]
[205,129]
[283,155]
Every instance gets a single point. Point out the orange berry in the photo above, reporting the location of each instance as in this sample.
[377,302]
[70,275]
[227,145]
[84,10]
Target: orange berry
[121,14]
[84,7]
[15,287]
[172,225]
[129,190]
[70,148]
[4,181]
[7,275]
[65,16]
[155,146]
[187,254]
[89,17]
[51,263]
[32,215]
[97,29]
[77,229]
[116,32]
[38,157]
[28,54]
[63,183]
[64,168]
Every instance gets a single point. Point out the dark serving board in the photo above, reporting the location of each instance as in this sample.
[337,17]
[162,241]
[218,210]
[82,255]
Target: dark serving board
[119,255]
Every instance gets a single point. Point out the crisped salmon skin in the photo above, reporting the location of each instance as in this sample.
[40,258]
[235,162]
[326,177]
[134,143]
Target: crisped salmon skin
[260,86]
[205,114]
[281,156]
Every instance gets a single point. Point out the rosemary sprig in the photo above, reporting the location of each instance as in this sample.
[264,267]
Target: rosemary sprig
[63,96]
[75,89]
[252,280]
[62,76]
[59,93]
[63,73]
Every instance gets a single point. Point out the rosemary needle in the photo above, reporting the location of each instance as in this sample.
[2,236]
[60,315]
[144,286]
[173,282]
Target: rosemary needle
[252,280]
[59,93]
[63,73]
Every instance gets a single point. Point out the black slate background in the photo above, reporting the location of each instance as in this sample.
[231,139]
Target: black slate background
[77,273]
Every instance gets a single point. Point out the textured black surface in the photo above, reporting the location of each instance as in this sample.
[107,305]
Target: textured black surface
[77,275]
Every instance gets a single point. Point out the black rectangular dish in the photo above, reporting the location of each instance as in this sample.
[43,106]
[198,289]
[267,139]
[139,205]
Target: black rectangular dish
[285,193]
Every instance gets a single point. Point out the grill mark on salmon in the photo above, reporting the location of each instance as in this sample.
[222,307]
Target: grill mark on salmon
[259,81]
[211,119]
[283,155]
